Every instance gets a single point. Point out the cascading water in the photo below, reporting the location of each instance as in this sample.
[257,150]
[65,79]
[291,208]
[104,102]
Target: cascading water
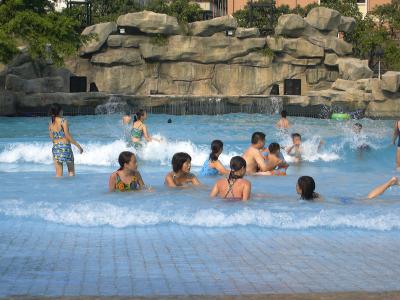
[114,105]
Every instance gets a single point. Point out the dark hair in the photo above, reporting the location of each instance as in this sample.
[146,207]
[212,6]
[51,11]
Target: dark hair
[283,113]
[296,135]
[54,111]
[257,136]
[236,164]
[216,146]
[307,186]
[124,158]
[274,147]
[179,159]
[139,115]
[358,125]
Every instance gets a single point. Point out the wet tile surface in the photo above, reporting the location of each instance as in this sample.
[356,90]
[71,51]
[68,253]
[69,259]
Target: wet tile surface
[46,259]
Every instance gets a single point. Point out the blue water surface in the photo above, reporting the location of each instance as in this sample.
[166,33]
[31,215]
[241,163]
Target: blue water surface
[344,175]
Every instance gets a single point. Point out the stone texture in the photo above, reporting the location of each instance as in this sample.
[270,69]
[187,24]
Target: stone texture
[101,32]
[7,104]
[44,85]
[298,48]
[306,61]
[343,85]
[331,59]
[323,18]
[383,109]
[290,25]
[354,69]
[200,49]
[150,22]
[14,83]
[377,93]
[243,33]
[315,75]
[123,56]
[27,70]
[347,24]
[339,46]
[256,59]
[186,71]
[209,27]
[391,81]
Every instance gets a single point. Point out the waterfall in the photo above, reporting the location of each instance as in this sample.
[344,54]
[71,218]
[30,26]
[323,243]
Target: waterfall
[114,105]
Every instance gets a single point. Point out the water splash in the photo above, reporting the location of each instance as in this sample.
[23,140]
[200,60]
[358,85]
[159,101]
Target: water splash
[114,105]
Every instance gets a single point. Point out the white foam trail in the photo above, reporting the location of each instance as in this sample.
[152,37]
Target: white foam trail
[100,213]
[100,154]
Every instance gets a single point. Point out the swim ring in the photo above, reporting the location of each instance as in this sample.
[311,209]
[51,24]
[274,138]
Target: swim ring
[340,116]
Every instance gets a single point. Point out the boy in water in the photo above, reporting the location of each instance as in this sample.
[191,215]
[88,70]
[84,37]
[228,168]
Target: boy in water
[295,148]
[283,123]
[360,138]
[276,160]
[255,161]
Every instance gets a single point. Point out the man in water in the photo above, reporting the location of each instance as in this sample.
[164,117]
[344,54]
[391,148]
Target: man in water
[255,161]
[283,123]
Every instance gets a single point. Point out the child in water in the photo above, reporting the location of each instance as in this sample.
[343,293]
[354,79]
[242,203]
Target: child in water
[180,175]
[295,148]
[127,177]
[234,187]
[212,166]
[276,163]
[305,187]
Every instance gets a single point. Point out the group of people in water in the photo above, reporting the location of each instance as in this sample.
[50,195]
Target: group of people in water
[256,160]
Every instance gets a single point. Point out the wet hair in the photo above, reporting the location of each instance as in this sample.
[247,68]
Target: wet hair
[216,146]
[179,159]
[296,135]
[359,125]
[236,164]
[169,121]
[283,113]
[124,158]
[274,147]
[257,136]
[307,186]
[54,111]
[139,115]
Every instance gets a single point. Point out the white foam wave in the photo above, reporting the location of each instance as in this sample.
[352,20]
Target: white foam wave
[98,214]
[160,150]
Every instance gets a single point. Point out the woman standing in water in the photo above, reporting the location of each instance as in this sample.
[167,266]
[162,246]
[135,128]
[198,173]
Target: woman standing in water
[62,140]
[396,135]
[139,129]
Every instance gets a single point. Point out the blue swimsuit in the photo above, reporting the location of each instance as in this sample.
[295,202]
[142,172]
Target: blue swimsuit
[207,171]
[62,152]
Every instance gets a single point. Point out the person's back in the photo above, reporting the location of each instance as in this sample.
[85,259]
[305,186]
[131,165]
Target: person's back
[283,123]
[233,190]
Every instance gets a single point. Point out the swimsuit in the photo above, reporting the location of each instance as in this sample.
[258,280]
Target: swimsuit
[62,152]
[137,133]
[206,170]
[230,190]
[123,187]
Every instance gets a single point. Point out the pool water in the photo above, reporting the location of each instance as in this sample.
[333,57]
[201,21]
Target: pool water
[33,203]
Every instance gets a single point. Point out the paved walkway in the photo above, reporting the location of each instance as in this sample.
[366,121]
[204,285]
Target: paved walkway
[46,259]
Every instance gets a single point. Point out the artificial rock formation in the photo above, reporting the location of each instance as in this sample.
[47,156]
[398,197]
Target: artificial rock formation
[146,53]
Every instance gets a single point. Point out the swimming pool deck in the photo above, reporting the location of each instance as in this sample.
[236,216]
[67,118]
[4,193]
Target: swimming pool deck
[44,259]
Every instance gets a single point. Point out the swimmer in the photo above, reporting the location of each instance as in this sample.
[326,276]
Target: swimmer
[283,122]
[296,149]
[379,190]
[253,156]
[62,140]
[126,118]
[396,135]
[276,163]
[212,166]
[305,187]
[139,129]
[127,177]
[357,130]
[180,175]
[234,187]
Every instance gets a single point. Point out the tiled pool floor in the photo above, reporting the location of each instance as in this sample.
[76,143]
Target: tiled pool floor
[46,259]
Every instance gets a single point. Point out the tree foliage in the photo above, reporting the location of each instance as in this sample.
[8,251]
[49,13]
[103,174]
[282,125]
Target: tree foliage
[34,24]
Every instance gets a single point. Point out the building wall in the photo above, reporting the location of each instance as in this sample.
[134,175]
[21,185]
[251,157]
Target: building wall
[294,3]
[234,5]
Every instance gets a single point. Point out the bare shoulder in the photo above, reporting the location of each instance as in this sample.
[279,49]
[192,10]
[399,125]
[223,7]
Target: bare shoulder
[114,175]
